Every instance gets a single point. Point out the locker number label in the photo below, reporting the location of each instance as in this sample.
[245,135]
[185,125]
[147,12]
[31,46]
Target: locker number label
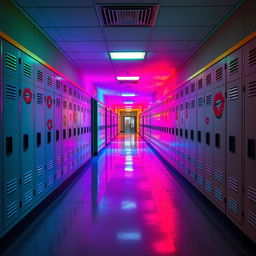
[218,104]
[49,124]
[49,101]
[27,95]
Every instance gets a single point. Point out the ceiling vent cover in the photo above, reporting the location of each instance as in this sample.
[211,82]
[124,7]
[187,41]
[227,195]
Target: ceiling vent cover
[127,15]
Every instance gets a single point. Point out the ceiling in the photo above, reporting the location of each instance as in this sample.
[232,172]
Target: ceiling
[180,27]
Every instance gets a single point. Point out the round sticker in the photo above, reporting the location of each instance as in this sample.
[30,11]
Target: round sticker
[218,104]
[49,101]
[27,95]
[207,120]
[50,124]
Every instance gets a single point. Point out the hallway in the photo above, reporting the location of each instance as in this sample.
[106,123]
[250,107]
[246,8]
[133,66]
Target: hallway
[125,202]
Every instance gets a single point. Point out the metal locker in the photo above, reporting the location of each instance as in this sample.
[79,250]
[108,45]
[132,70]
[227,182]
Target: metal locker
[27,136]
[50,133]
[219,134]
[40,78]
[200,136]
[186,129]
[1,143]
[176,138]
[11,157]
[250,57]
[234,137]
[89,128]
[250,155]
[208,133]
[181,131]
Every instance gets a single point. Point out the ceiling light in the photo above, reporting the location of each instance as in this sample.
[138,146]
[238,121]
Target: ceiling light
[128,94]
[127,78]
[127,55]
[128,102]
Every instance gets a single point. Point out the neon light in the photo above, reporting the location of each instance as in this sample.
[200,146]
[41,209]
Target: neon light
[127,78]
[127,55]
[128,94]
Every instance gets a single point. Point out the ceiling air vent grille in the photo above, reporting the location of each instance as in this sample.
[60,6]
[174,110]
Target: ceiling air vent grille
[127,15]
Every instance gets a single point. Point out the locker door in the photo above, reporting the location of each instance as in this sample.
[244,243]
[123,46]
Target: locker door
[200,131]
[250,155]
[219,139]
[40,142]
[27,143]
[89,136]
[65,122]
[234,136]
[11,161]
[208,135]
[50,139]
[177,127]
[1,143]
[187,130]
[181,131]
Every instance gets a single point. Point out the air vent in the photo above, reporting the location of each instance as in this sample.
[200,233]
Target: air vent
[252,57]
[10,61]
[200,102]
[218,176]
[233,184]
[233,66]
[218,194]
[27,70]
[49,81]
[58,84]
[193,87]
[252,89]
[208,100]
[39,98]
[200,83]
[233,93]
[219,74]
[10,92]
[127,15]
[40,76]
[208,79]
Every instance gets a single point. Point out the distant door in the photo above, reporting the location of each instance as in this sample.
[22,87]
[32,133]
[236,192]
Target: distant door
[129,124]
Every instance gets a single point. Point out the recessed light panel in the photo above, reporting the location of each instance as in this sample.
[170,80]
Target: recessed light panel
[127,78]
[127,55]
[128,94]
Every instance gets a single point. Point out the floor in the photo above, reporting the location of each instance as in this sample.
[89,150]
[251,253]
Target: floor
[124,203]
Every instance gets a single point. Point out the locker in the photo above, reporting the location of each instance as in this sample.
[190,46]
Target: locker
[219,134]
[40,138]
[1,143]
[200,136]
[182,107]
[234,144]
[177,127]
[250,155]
[186,130]
[27,138]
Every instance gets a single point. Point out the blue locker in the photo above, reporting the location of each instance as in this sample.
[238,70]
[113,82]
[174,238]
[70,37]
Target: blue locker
[1,148]
[186,130]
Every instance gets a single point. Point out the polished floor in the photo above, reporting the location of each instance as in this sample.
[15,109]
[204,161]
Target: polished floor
[126,203]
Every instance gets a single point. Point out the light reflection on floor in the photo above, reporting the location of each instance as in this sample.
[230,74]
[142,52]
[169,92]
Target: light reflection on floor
[125,203]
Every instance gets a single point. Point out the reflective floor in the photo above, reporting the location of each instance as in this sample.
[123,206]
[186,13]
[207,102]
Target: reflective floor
[125,203]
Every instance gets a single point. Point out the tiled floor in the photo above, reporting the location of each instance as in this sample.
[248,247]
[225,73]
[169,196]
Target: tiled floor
[125,203]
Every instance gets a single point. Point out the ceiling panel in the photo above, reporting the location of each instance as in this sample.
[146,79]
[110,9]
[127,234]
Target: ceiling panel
[55,3]
[87,46]
[93,56]
[198,2]
[124,34]
[127,2]
[38,17]
[127,46]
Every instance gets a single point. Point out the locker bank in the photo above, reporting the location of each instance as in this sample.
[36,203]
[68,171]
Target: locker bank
[127,127]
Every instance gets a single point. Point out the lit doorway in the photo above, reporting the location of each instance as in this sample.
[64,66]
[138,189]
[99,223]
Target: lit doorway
[129,124]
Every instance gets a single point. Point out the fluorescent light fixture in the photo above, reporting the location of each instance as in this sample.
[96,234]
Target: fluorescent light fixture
[127,55]
[127,78]
[128,94]
[128,102]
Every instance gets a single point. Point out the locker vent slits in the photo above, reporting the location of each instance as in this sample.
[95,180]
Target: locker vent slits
[49,81]
[208,170]
[193,103]
[10,61]
[58,103]
[39,76]
[50,180]
[252,89]
[200,165]
[50,165]
[233,66]
[58,85]
[10,92]
[12,209]
[208,100]
[193,87]
[233,184]
[252,57]
[200,83]
[218,194]
[40,188]
[64,88]
[200,179]
[27,177]
[39,98]
[208,79]
[58,160]
[28,196]
[251,194]
[233,205]
[187,90]
[208,186]
[218,176]
[251,218]
[64,104]
[11,186]
[27,70]
[193,161]
[40,170]
[200,102]
[219,74]
[70,106]
[233,93]
[127,15]
[192,174]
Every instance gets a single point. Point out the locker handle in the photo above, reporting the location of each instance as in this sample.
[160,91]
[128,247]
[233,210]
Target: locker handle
[25,142]
[232,144]
[217,140]
[9,147]
[38,139]
[49,137]
[251,148]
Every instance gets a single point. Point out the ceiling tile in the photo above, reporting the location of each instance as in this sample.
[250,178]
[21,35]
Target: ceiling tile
[166,56]
[87,46]
[93,56]
[126,2]
[116,34]
[37,16]
[53,34]
[127,46]
[55,3]
[198,2]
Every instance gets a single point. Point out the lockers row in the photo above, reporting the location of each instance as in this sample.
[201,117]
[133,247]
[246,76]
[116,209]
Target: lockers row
[206,129]
[45,133]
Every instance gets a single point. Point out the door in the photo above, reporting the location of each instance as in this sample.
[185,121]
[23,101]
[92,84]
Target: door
[129,124]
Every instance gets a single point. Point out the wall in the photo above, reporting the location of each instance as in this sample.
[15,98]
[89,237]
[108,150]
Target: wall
[16,25]
[239,25]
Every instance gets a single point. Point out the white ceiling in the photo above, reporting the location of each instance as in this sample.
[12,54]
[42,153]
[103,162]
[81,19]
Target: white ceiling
[180,27]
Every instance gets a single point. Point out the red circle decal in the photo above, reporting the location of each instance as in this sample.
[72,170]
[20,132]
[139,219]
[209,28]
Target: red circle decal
[27,95]
[49,101]
[218,104]
[207,120]
[49,124]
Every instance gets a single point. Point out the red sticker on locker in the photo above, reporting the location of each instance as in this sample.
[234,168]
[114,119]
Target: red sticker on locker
[70,117]
[75,117]
[50,124]
[27,95]
[49,101]
[64,120]
[207,120]
[218,104]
